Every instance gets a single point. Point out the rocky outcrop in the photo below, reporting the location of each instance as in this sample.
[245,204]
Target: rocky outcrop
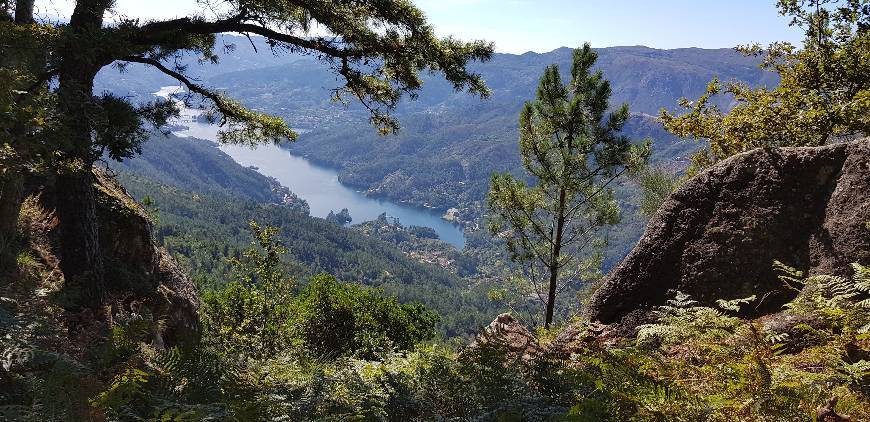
[717,236]
[508,335]
[140,277]
[139,268]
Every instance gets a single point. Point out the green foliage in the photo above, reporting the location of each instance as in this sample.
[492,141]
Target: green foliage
[341,218]
[257,315]
[25,106]
[844,302]
[352,355]
[251,315]
[204,230]
[780,367]
[655,184]
[572,149]
[823,94]
[334,319]
[681,319]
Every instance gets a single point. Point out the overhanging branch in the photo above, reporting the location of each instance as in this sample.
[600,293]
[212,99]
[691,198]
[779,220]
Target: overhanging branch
[152,33]
[191,86]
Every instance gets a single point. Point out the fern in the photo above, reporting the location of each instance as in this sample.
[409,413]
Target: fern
[681,319]
[734,305]
[791,277]
[857,373]
[842,299]
[127,386]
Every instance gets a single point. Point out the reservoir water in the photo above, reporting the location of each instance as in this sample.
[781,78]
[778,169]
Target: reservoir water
[318,185]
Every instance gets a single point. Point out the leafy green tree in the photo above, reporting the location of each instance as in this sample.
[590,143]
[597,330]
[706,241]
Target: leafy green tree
[252,312]
[823,94]
[377,47]
[655,184]
[571,146]
[335,319]
[263,269]
[341,218]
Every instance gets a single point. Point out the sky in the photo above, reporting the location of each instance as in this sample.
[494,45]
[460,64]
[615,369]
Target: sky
[518,26]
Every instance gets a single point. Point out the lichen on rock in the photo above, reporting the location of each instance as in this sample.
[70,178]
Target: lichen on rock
[717,236]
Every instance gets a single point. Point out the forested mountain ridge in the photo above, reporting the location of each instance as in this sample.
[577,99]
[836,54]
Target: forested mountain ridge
[449,143]
[197,165]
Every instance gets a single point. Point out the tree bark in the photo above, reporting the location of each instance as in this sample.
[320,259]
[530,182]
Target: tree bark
[10,206]
[24,11]
[81,259]
[554,264]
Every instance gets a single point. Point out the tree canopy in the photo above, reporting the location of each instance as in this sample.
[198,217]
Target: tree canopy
[378,48]
[823,94]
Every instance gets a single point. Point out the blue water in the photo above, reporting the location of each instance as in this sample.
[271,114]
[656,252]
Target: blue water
[319,186]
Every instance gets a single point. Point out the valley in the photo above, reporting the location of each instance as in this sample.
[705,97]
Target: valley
[357,210]
[318,186]
[449,144]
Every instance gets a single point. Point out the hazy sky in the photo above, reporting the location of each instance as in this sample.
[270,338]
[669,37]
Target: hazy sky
[517,26]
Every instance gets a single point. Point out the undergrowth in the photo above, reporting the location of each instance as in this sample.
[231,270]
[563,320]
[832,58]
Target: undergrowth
[694,363]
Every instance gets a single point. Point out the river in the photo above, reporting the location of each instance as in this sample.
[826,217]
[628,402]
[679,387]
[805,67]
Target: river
[318,185]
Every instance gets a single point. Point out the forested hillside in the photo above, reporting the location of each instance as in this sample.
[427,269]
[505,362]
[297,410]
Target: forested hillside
[450,143]
[146,276]
[197,165]
[201,201]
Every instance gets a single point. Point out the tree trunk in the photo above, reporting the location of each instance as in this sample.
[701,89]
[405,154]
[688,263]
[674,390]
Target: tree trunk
[554,264]
[24,11]
[10,206]
[551,297]
[81,259]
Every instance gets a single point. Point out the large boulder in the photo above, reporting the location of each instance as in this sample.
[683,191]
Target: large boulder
[717,236]
[140,277]
[137,268]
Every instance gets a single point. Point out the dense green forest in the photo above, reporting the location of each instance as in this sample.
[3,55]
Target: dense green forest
[201,202]
[203,231]
[145,276]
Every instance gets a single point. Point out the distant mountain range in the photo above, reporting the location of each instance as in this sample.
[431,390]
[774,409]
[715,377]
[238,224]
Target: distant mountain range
[450,142]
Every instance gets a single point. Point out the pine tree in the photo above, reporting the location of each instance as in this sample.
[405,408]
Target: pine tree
[572,148]
[377,48]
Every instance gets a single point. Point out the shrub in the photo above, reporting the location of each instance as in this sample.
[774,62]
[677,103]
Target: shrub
[333,319]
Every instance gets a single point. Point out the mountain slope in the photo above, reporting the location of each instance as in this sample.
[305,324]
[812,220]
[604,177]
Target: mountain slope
[451,143]
[202,201]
